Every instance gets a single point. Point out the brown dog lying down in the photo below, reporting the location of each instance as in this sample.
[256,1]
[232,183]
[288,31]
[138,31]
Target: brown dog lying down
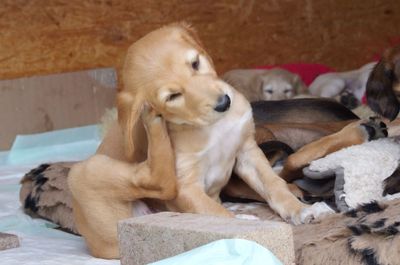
[383,88]
[273,84]
[323,127]
[198,130]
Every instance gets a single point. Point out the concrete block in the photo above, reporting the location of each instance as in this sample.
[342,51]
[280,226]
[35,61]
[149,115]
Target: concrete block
[154,237]
[8,241]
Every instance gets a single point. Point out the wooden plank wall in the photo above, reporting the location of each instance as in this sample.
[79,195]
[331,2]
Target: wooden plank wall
[50,36]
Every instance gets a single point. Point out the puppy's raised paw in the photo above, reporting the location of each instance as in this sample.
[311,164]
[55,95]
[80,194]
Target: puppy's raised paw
[149,115]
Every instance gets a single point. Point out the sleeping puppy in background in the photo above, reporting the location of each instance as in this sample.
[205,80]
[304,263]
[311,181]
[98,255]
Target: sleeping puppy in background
[274,84]
[383,86]
[347,87]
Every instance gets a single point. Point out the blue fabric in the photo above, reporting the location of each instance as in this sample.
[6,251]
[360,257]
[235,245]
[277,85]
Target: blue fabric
[69,144]
[225,252]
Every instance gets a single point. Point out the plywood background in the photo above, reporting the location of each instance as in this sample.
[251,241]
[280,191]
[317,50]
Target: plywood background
[50,36]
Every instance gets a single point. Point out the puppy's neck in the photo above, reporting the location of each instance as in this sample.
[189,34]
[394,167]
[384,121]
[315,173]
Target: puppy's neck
[174,127]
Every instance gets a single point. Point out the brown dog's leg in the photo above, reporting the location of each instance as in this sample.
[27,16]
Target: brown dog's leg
[393,127]
[355,133]
[103,188]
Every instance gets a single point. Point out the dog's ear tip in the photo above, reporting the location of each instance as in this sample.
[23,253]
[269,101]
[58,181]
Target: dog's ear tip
[393,113]
[183,24]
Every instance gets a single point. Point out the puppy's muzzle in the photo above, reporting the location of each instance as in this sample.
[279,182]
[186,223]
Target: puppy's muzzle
[223,104]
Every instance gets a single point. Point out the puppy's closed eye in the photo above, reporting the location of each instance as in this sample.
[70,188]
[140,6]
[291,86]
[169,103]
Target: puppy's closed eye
[173,96]
[288,90]
[268,89]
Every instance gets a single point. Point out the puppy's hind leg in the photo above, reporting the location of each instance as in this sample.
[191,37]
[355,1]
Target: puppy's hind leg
[103,188]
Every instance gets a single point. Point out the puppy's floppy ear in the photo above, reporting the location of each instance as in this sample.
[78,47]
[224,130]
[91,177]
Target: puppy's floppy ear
[256,88]
[380,95]
[298,85]
[190,31]
[190,35]
[129,109]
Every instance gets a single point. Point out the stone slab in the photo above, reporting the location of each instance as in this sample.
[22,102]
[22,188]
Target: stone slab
[154,237]
[8,241]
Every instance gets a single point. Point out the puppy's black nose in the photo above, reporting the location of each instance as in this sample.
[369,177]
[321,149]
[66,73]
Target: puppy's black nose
[223,104]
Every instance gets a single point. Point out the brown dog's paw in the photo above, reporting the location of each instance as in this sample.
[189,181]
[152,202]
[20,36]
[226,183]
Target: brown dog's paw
[349,100]
[375,129]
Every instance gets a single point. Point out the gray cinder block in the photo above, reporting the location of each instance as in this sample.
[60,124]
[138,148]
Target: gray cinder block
[154,237]
[8,241]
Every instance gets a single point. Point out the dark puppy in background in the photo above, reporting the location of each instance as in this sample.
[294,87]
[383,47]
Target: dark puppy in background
[383,86]
[383,91]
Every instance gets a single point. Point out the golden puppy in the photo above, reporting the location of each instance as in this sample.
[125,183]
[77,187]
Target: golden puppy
[210,126]
[273,84]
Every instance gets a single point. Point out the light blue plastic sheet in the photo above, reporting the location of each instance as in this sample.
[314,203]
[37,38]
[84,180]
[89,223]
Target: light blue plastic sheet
[225,252]
[62,145]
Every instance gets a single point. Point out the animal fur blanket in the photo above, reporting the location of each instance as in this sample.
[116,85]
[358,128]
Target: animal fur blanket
[366,235]
[354,175]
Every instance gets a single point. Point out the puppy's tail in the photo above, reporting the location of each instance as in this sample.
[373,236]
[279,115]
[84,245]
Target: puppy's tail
[276,151]
[273,146]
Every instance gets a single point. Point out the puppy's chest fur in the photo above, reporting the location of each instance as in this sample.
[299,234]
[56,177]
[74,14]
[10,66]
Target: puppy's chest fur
[211,165]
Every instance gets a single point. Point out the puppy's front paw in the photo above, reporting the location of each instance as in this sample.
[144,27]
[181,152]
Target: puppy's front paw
[375,129]
[314,211]
[150,116]
[308,213]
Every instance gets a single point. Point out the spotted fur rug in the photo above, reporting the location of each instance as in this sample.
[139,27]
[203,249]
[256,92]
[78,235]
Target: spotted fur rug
[367,235]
